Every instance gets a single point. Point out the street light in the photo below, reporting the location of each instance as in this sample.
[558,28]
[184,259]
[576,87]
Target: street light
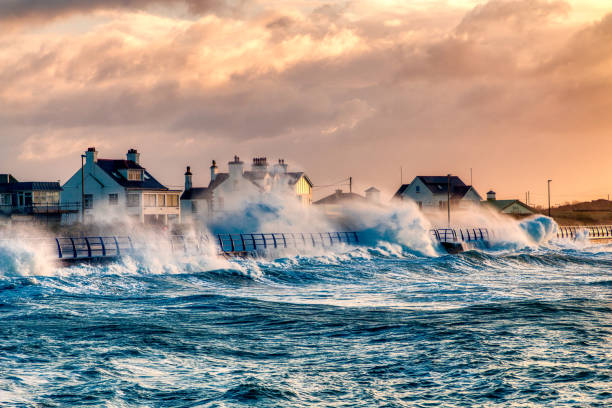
[448,199]
[82,190]
[549,197]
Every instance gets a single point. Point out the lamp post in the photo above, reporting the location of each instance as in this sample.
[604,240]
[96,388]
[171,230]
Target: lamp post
[82,190]
[549,197]
[448,200]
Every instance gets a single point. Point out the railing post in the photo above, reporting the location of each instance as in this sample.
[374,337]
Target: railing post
[88,247]
[284,240]
[59,248]
[117,246]
[242,240]
[356,237]
[264,241]
[131,243]
[73,247]
[103,246]
[254,244]
[220,243]
[274,240]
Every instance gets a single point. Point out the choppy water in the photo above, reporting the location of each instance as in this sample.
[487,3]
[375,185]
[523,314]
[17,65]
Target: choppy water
[359,327]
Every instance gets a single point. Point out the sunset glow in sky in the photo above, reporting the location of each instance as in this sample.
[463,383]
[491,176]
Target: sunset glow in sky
[518,90]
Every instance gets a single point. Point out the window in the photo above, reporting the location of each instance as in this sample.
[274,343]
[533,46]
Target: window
[88,201]
[28,198]
[45,197]
[113,199]
[172,200]
[418,189]
[161,200]
[149,200]
[134,175]
[133,200]
[6,199]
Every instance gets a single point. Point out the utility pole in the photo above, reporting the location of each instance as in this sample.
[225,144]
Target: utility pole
[471,181]
[448,200]
[82,190]
[350,184]
[549,197]
[401,176]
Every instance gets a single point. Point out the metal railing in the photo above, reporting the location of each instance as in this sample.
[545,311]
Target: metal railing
[461,234]
[590,232]
[93,247]
[231,243]
[97,247]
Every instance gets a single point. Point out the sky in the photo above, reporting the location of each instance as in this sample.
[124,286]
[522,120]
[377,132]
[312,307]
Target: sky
[519,91]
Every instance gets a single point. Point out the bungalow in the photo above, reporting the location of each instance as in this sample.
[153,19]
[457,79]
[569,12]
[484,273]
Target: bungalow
[515,208]
[237,183]
[431,192]
[121,183]
[31,200]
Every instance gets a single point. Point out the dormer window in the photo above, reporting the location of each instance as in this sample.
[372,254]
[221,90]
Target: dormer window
[418,189]
[134,175]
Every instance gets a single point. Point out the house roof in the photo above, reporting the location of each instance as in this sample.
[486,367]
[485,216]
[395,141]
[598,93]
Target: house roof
[439,185]
[340,197]
[501,205]
[30,186]
[372,190]
[112,167]
[197,193]
[401,190]
[219,178]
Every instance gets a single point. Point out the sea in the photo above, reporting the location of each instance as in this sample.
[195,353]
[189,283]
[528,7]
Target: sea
[376,325]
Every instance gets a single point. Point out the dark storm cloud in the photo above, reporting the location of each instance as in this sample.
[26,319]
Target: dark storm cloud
[13,12]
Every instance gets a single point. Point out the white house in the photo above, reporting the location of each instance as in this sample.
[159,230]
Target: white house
[431,192]
[122,184]
[237,184]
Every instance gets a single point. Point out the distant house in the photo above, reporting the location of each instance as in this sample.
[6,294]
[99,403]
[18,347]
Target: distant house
[340,198]
[196,202]
[431,192]
[334,203]
[30,201]
[373,194]
[237,184]
[125,184]
[511,207]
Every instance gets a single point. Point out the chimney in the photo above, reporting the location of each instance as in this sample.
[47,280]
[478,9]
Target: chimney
[260,164]
[188,183]
[491,196]
[213,171]
[281,167]
[133,155]
[236,168]
[91,156]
